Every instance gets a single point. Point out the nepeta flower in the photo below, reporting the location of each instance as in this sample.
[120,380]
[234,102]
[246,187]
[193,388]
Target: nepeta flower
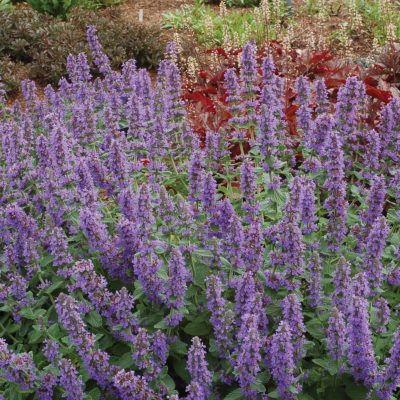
[341,279]
[94,229]
[70,381]
[361,352]
[100,59]
[375,200]
[282,362]
[198,368]
[233,90]
[221,319]
[267,126]
[47,383]
[336,334]
[208,196]
[249,357]
[389,130]
[51,350]
[375,245]
[292,314]
[382,311]
[321,96]
[58,247]
[178,278]
[249,299]
[335,204]
[351,98]
[132,387]
[253,249]
[195,176]
[315,291]
[141,353]
[389,378]
[308,211]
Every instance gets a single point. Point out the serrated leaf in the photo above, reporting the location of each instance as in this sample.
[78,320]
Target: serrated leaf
[328,364]
[356,392]
[235,395]
[125,361]
[178,347]
[315,329]
[94,394]
[35,336]
[198,327]
[94,319]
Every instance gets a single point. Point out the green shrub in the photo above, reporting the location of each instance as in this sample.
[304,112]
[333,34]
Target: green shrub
[96,4]
[57,8]
[5,5]
[212,29]
[235,3]
[41,43]
[242,3]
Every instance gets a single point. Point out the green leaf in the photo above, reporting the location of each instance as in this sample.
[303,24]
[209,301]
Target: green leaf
[198,327]
[29,313]
[94,394]
[161,325]
[125,361]
[356,392]
[94,319]
[315,329]
[179,365]
[259,387]
[53,287]
[235,395]
[55,331]
[35,335]
[200,273]
[304,396]
[169,382]
[328,364]
[178,347]
[273,395]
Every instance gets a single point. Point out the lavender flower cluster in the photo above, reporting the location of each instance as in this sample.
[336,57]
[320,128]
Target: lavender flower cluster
[139,262]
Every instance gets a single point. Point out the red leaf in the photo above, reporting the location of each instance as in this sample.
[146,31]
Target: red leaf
[376,93]
[199,97]
[290,111]
[332,83]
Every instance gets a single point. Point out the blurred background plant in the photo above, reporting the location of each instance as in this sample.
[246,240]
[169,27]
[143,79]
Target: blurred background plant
[229,27]
[36,46]
[5,5]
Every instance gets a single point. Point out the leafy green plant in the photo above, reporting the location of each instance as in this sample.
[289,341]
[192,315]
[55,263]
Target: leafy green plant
[96,4]
[378,15]
[242,3]
[213,29]
[57,8]
[41,43]
[5,5]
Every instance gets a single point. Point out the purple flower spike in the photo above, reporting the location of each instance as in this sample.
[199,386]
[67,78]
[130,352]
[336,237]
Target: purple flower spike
[292,314]
[249,357]
[340,296]
[315,286]
[361,352]
[282,361]
[389,379]
[336,203]
[336,334]
[197,367]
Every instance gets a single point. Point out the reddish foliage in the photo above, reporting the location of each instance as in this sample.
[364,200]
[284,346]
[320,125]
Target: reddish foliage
[207,98]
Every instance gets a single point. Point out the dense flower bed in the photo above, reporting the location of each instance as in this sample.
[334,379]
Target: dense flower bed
[139,262]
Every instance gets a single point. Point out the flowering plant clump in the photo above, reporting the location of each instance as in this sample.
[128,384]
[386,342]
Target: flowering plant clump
[139,261]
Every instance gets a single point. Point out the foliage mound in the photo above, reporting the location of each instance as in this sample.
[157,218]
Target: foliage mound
[36,46]
[139,262]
